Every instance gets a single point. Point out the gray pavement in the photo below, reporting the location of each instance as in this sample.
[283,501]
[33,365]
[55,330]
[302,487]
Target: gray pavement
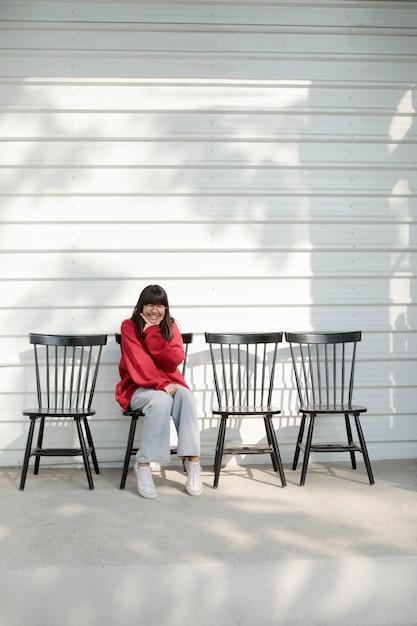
[250,553]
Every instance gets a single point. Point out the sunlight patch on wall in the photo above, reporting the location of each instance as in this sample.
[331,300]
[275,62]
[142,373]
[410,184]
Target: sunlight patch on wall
[402,123]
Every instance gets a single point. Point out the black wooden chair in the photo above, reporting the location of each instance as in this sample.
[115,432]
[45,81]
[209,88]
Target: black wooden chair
[134,415]
[66,368]
[243,369]
[324,368]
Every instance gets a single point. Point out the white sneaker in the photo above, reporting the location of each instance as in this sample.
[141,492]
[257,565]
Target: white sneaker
[146,486]
[194,484]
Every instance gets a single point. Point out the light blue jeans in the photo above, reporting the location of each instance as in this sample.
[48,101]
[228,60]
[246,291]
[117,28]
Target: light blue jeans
[158,407]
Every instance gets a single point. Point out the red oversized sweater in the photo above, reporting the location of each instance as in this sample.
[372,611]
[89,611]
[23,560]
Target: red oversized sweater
[150,362]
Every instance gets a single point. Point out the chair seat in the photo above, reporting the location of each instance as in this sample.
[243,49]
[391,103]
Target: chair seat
[74,413]
[246,410]
[133,412]
[331,408]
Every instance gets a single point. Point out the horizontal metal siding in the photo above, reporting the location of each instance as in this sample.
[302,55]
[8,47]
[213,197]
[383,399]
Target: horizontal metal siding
[257,160]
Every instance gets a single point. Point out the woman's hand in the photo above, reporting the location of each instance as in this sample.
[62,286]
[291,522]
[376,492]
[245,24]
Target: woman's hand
[171,389]
[149,322]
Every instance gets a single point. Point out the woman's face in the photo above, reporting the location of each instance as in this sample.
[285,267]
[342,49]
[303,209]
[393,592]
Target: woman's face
[155,313]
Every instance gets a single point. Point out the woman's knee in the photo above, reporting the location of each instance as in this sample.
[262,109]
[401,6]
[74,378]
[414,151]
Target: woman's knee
[161,401]
[184,403]
[149,400]
[185,394]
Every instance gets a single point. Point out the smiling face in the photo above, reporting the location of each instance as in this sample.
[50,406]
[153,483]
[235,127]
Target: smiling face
[155,313]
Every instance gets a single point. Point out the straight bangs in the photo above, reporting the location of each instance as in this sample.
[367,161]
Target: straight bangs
[155,298]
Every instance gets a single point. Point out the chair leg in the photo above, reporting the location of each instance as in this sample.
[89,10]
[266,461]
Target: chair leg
[299,441]
[276,456]
[364,449]
[268,430]
[219,450]
[91,445]
[129,448]
[307,449]
[27,454]
[350,440]
[39,443]
[84,453]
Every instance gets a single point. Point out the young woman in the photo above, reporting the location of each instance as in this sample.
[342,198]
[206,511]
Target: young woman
[152,349]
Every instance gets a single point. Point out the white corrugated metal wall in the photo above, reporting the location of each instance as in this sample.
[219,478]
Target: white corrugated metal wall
[256,159]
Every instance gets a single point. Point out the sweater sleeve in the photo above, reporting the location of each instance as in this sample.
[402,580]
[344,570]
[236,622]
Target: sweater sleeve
[167,354]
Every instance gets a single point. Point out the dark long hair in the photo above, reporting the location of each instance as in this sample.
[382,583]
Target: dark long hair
[153,294]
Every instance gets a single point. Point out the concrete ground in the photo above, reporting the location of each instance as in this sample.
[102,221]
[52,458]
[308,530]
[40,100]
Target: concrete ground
[336,552]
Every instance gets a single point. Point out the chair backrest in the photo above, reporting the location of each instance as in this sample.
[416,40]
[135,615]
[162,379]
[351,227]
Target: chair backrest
[324,366]
[66,369]
[243,367]
[187,338]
